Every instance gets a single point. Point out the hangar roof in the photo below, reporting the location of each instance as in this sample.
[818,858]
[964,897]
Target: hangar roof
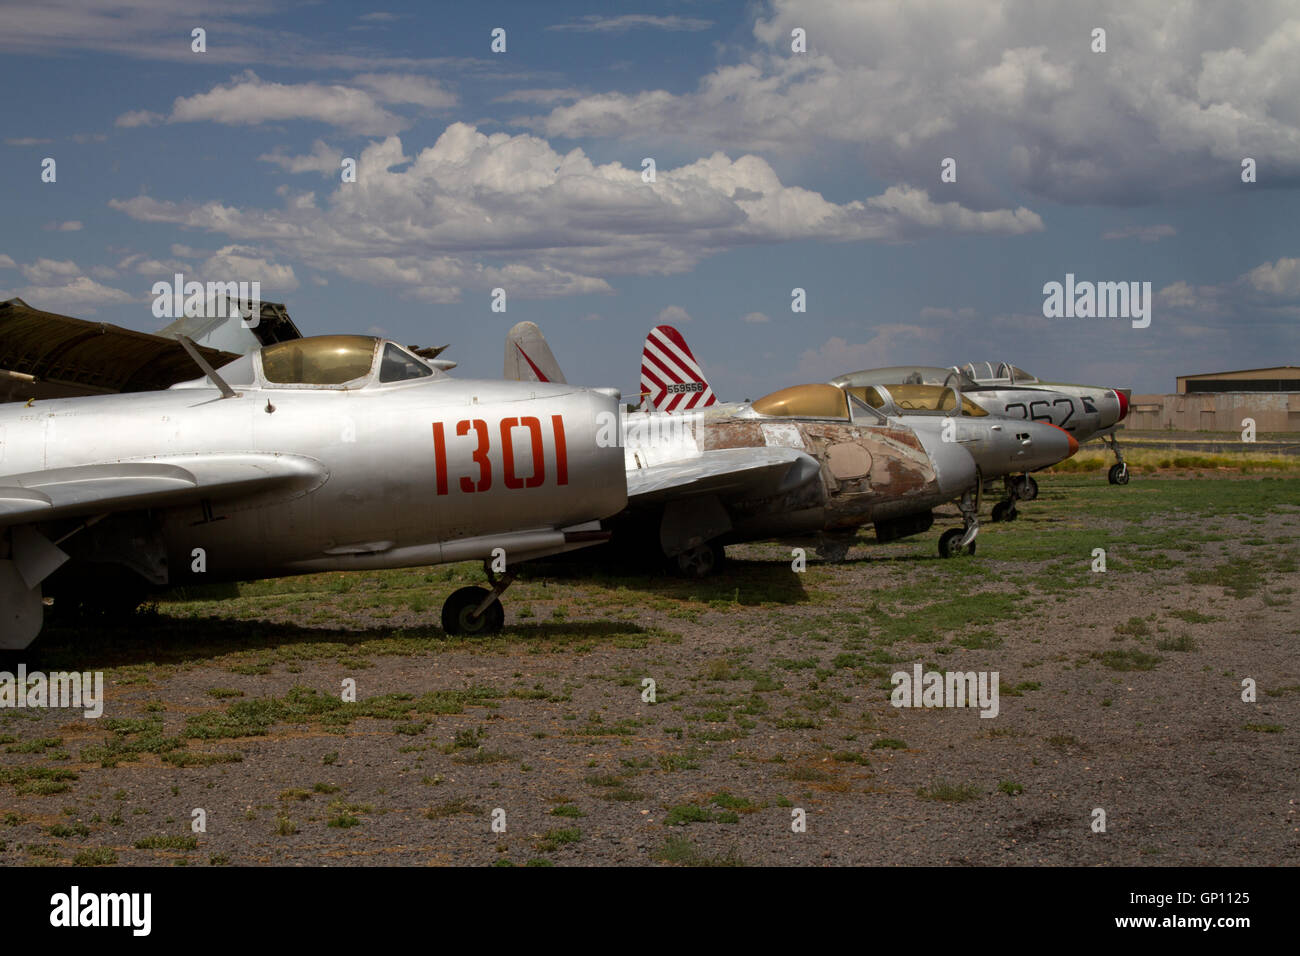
[1243,371]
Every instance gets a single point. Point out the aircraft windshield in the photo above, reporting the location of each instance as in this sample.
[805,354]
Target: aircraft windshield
[805,401]
[401,366]
[860,411]
[320,360]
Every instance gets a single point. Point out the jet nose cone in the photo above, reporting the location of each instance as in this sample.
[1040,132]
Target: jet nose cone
[1123,403]
[1072,444]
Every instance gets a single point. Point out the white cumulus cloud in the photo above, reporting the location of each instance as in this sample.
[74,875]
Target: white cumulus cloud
[249,100]
[60,285]
[475,208]
[1182,92]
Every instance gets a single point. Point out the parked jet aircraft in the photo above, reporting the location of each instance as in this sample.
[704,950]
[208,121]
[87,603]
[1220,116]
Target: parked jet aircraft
[808,459]
[1086,412]
[998,451]
[338,452]
[1089,411]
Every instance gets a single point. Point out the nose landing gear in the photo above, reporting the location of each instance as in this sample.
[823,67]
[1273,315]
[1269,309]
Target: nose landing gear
[961,540]
[476,611]
[1118,474]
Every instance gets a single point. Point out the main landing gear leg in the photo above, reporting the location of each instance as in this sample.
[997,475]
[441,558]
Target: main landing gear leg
[1118,474]
[477,611]
[961,540]
[1018,488]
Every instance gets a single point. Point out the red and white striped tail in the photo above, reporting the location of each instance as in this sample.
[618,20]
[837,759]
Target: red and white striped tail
[670,376]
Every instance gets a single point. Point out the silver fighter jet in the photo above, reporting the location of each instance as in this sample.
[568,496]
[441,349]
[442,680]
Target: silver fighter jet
[337,452]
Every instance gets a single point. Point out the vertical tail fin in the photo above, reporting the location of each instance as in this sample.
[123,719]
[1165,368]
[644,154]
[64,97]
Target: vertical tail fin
[528,357]
[670,376]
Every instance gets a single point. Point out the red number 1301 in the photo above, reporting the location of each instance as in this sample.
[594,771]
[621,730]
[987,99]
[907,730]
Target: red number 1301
[483,445]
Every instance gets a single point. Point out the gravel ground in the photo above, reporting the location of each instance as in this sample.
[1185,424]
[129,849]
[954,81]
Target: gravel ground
[1120,692]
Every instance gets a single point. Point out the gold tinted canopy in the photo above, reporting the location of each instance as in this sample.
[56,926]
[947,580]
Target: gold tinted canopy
[805,401]
[319,360]
[913,398]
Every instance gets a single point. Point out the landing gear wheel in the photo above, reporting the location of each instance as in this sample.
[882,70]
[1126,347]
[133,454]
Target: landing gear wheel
[700,561]
[1031,489]
[1005,511]
[950,543]
[458,613]
[1118,474]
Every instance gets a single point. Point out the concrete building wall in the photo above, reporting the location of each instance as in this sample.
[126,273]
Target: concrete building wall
[1219,411]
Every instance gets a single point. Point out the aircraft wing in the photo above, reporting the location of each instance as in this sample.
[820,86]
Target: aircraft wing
[751,472]
[48,355]
[161,482]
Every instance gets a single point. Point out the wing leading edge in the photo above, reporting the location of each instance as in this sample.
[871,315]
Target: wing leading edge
[120,486]
[727,472]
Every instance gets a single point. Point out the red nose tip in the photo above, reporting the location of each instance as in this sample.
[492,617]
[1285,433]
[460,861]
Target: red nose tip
[1074,445]
[1123,404]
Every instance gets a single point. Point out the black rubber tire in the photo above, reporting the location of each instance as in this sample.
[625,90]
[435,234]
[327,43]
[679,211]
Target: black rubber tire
[457,613]
[1118,475]
[699,562]
[948,546]
[1004,511]
[1031,489]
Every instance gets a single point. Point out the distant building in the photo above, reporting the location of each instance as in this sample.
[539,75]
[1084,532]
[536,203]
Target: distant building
[1281,378]
[1219,401]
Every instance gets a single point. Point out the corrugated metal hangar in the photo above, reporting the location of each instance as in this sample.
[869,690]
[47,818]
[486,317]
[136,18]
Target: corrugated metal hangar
[1220,401]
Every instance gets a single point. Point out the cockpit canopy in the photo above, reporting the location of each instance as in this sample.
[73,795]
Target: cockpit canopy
[320,360]
[916,399]
[805,401]
[1002,373]
[906,375]
[323,361]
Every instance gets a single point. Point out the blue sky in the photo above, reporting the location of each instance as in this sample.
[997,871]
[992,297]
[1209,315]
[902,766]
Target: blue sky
[774,170]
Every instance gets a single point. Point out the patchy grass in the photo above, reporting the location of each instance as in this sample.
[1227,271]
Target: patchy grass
[680,851]
[950,792]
